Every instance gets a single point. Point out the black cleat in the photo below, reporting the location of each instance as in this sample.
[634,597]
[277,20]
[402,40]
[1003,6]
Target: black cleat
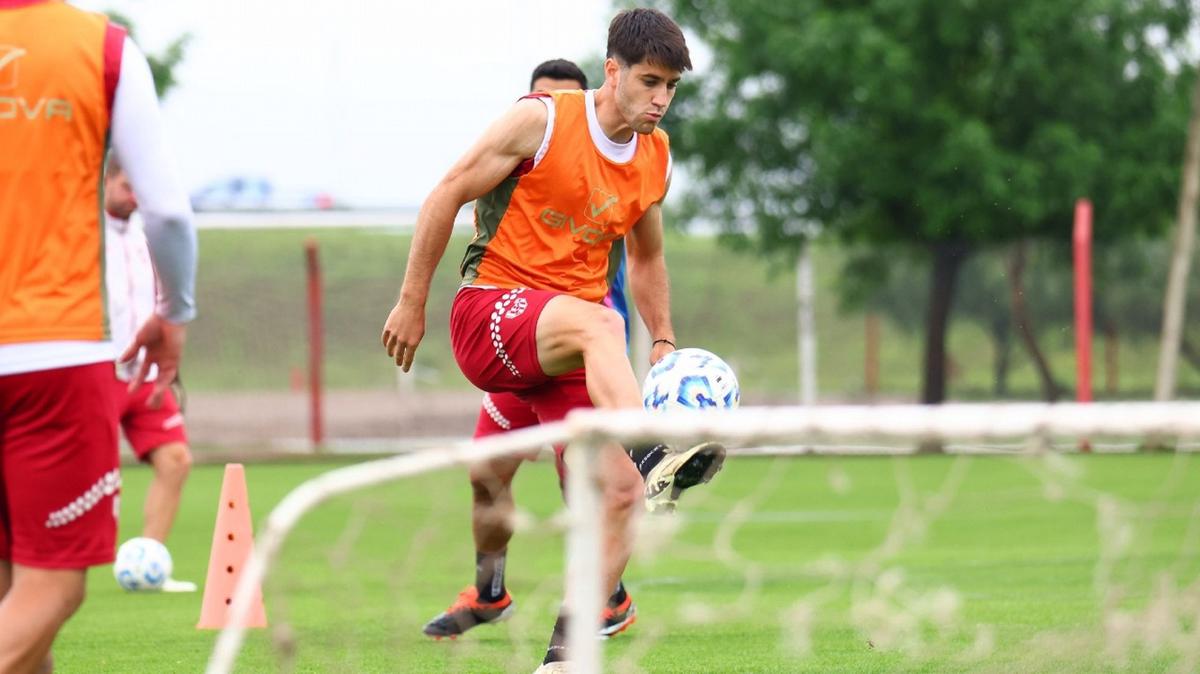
[615,620]
[679,471]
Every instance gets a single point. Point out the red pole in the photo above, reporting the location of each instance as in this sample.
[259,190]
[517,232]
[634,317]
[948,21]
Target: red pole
[1083,300]
[1083,305]
[316,331]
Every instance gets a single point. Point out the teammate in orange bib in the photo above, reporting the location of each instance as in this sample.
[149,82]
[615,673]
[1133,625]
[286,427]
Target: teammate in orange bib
[70,81]
[556,180]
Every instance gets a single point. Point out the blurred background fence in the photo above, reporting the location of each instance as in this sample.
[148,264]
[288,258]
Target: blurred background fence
[247,362]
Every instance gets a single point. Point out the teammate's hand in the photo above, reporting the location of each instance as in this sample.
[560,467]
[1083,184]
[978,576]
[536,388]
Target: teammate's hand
[660,351]
[403,331]
[163,341]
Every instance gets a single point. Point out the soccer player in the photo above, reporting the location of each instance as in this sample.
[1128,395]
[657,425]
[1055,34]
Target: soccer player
[156,434]
[555,180]
[69,82]
[488,601]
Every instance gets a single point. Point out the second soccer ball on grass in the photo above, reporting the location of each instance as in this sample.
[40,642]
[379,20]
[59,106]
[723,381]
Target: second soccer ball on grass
[143,564]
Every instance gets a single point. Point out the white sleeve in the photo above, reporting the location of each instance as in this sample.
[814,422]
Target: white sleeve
[139,144]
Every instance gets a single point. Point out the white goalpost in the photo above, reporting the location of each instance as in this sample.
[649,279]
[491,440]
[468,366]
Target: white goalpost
[584,431]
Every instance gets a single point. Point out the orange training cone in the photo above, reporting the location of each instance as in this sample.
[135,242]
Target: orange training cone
[233,541]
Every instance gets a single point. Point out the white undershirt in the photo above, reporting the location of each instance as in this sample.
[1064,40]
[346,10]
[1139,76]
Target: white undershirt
[621,153]
[137,140]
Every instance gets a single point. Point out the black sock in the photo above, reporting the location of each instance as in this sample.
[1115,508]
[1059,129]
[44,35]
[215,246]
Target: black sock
[557,650]
[618,596]
[646,457]
[489,575]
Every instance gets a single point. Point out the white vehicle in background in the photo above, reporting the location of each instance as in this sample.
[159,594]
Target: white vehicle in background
[256,193]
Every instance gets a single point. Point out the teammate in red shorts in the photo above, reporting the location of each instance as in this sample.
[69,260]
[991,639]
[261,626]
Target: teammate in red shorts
[81,84]
[156,434]
[555,181]
[488,601]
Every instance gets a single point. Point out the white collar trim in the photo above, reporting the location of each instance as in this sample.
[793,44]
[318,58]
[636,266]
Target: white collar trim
[620,153]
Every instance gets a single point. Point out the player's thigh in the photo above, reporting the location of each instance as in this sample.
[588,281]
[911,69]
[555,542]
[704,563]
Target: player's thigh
[172,461]
[569,325]
[59,467]
[493,336]
[147,428]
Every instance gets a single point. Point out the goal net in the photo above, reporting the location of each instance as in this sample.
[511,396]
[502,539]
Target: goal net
[1040,537]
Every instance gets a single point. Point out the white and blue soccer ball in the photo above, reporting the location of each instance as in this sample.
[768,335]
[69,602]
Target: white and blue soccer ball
[690,379]
[142,564]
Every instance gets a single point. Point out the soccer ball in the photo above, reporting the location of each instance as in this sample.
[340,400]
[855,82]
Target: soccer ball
[142,564]
[690,379]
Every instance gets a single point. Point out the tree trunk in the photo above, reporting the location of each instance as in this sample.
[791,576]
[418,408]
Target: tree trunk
[1111,380]
[947,261]
[1051,391]
[1175,301]
[1002,343]
[871,366]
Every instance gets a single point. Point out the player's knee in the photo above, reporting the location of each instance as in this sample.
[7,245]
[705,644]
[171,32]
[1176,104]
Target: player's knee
[606,327]
[484,490]
[66,598]
[172,461]
[72,599]
[489,479]
[623,497]
[624,490]
[603,329]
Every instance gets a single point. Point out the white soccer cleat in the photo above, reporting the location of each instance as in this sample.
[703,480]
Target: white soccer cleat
[172,585]
[678,471]
[561,667]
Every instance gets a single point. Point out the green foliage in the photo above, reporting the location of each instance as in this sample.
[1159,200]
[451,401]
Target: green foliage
[925,121]
[953,126]
[163,64]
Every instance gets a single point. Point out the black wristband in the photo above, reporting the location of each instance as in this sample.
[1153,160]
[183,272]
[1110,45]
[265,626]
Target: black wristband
[664,341]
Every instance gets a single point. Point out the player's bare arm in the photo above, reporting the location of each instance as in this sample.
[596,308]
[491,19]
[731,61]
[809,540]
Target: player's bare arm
[648,280]
[510,140]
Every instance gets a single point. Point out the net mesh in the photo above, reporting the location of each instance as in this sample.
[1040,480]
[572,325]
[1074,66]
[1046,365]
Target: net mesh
[1022,555]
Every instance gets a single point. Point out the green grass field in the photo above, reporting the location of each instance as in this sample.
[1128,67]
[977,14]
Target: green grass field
[918,564]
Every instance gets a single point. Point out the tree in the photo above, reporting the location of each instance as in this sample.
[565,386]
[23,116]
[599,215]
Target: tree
[163,64]
[950,125]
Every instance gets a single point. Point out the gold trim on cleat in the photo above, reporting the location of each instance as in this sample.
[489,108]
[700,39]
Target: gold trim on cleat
[662,488]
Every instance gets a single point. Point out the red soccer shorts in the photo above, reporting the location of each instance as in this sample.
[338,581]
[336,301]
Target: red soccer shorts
[503,412]
[145,428]
[58,467]
[494,336]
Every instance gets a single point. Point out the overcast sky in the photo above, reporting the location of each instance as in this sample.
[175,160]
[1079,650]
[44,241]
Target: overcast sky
[370,100]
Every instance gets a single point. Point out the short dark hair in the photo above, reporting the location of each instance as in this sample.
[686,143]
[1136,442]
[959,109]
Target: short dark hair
[637,35]
[558,69]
